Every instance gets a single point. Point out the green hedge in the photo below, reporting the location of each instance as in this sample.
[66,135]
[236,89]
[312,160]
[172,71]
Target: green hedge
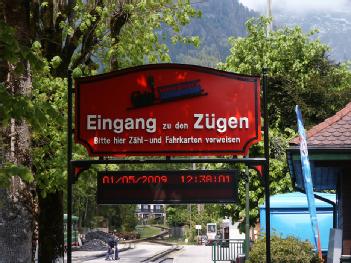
[283,250]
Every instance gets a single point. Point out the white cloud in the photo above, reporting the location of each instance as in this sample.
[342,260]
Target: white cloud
[298,6]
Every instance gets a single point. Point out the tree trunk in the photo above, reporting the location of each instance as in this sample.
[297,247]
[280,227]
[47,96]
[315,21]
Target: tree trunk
[51,227]
[17,203]
[15,230]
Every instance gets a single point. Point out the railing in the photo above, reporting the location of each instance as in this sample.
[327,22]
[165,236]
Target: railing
[145,210]
[227,250]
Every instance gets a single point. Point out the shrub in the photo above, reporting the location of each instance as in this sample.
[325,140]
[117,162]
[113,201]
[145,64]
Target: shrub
[287,250]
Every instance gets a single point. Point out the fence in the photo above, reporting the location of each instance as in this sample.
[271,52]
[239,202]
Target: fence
[227,250]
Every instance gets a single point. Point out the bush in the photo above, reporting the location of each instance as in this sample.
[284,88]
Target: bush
[288,250]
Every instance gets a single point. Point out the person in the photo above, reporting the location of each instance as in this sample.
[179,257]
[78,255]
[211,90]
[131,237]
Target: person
[116,239]
[219,235]
[111,244]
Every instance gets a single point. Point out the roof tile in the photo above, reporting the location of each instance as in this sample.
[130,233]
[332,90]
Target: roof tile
[334,131]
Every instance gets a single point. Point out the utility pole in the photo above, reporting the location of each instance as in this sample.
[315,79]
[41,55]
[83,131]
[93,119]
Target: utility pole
[269,4]
[269,14]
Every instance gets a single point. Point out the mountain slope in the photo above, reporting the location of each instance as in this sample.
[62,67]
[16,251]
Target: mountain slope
[220,20]
[334,29]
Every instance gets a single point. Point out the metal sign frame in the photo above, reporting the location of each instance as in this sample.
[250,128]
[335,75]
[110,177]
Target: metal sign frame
[75,167]
[218,115]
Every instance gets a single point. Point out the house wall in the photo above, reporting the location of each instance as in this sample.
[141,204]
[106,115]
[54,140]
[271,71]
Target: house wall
[346,212]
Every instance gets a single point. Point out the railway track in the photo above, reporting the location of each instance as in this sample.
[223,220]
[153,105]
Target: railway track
[141,250]
[163,256]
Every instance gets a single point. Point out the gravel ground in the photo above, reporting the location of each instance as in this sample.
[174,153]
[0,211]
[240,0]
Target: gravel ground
[94,245]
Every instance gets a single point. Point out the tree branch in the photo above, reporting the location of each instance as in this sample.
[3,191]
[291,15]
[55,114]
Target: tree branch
[72,43]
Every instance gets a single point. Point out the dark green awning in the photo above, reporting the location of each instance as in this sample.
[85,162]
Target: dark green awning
[327,164]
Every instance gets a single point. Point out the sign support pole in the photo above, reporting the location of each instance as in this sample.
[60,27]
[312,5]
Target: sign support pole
[247,210]
[69,167]
[266,167]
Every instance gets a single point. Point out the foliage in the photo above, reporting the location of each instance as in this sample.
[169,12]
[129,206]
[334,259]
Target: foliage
[177,216]
[191,215]
[9,170]
[119,34]
[17,106]
[13,52]
[299,72]
[120,217]
[288,249]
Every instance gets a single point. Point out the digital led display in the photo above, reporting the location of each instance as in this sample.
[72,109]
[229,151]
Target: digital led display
[201,186]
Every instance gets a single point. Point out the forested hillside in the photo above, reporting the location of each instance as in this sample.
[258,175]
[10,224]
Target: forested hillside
[219,20]
[224,18]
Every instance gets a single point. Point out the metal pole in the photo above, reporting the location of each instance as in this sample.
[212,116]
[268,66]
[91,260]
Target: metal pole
[266,167]
[324,200]
[69,167]
[247,211]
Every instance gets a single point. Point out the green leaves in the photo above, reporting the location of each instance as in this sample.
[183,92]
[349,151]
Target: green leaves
[22,107]
[138,42]
[14,53]
[10,170]
[288,249]
[55,61]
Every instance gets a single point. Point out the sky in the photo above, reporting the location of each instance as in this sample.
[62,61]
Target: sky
[298,6]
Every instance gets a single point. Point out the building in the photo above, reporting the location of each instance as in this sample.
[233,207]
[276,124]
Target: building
[329,148]
[148,212]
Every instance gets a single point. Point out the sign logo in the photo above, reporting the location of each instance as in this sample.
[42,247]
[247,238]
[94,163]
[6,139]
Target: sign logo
[165,93]
[167,109]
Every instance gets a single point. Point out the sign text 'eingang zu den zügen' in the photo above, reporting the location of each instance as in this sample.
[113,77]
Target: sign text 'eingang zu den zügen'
[154,110]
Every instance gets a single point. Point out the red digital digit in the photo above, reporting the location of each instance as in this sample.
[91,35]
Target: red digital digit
[144,179]
[164,179]
[106,179]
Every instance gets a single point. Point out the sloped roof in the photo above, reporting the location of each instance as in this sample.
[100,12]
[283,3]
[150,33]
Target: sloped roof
[334,131]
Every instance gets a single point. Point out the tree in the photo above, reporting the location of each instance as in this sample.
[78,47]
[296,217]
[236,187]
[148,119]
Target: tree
[299,73]
[188,216]
[88,37]
[17,200]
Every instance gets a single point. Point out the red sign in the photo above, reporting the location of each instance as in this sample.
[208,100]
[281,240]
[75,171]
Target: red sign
[125,187]
[167,109]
